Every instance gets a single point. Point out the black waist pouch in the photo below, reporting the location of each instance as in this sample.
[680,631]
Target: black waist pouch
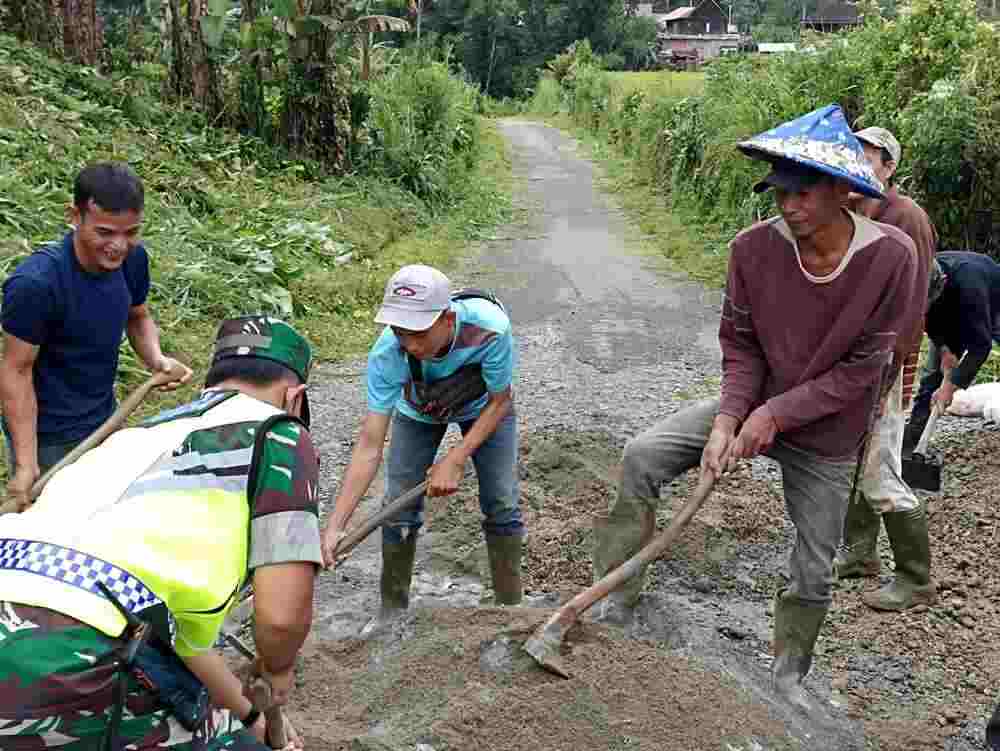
[178,689]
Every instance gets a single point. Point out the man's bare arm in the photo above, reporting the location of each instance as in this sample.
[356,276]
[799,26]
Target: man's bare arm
[144,336]
[444,477]
[283,597]
[20,410]
[358,478]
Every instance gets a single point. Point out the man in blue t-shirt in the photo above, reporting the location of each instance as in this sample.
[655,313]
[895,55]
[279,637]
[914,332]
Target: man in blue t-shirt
[65,309]
[429,337]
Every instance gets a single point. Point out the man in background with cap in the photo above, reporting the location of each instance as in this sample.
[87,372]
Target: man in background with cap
[430,338]
[883,493]
[146,542]
[799,388]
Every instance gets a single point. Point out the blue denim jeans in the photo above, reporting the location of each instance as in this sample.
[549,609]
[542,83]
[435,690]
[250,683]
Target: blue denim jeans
[412,448]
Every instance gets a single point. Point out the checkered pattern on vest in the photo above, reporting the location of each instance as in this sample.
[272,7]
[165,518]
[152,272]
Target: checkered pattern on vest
[76,569]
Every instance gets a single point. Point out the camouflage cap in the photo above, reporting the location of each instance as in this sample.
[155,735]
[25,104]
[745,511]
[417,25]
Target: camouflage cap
[263,336]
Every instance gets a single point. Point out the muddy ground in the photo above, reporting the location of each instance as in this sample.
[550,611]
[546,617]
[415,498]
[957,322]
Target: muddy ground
[607,344]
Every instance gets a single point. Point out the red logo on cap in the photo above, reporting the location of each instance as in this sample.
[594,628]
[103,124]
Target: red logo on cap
[404,291]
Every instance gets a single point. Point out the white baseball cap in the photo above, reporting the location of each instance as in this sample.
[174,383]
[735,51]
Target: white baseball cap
[882,139]
[415,297]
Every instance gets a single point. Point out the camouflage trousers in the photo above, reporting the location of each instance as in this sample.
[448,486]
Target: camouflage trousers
[57,679]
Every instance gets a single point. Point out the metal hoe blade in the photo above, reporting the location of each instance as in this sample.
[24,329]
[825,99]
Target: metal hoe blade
[544,645]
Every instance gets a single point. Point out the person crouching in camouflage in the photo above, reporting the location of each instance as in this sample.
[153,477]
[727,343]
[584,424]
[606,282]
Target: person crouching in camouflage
[115,584]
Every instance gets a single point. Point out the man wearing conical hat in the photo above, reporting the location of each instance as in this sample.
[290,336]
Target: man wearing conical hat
[114,586]
[814,300]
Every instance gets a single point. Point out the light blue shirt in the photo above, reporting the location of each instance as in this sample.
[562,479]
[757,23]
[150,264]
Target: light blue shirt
[482,335]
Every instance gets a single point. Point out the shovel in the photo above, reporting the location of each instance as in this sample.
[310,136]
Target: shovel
[545,643]
[109,426]
[920,470]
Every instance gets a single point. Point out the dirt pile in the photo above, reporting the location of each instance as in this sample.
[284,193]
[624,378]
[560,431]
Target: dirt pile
[455,677]
[456,680]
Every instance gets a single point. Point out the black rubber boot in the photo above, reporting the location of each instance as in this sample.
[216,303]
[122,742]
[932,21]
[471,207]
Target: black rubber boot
[911,549]
[857,554]
[504,552]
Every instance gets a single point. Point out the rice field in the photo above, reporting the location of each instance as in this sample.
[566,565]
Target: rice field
[659,82]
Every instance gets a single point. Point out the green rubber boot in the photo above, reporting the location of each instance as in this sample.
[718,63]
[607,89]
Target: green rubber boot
[857,554]
[504,552]
[397,571]
[617,537]
[796,627]
[911,549]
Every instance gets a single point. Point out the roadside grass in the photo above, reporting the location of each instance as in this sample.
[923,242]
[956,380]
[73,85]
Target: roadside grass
[232,226]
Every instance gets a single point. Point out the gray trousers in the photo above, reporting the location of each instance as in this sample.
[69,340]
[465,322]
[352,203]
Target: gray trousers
[816,490]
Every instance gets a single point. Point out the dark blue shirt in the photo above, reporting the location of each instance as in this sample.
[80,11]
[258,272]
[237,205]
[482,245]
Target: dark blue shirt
[964,317]
[77,319]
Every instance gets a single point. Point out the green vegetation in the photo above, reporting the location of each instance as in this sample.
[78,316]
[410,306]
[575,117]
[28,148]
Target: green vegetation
[502,45]
[658,83]
[234,225]
[671,154]
[926,76]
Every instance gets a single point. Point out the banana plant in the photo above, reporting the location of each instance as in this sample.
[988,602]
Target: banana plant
[366,27]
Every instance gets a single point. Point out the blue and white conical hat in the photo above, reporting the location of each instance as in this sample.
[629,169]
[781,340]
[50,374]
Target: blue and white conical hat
[823,141]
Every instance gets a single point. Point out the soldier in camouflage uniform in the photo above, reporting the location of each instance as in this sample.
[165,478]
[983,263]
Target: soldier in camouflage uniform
[147,541]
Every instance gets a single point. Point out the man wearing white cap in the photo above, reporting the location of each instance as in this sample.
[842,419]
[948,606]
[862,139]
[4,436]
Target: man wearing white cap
[884,494]
[463,343]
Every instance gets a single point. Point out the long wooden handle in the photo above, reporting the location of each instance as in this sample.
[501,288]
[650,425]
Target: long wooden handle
[651,552]
[545,643]
[373,522]
[109,426]
[261,697]
[925,437]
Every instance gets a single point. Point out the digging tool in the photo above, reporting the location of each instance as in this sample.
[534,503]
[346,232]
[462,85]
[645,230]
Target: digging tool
[259,689]
[544,644]
[921,470]
[357,535]
[109,426]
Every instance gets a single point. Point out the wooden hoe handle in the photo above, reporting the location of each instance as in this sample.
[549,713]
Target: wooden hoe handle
[357,535]
[651,552]
[109,426]
[545,643]
[260,692]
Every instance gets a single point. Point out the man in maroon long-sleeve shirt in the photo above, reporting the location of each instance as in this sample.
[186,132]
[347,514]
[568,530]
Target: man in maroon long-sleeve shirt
[814,301]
